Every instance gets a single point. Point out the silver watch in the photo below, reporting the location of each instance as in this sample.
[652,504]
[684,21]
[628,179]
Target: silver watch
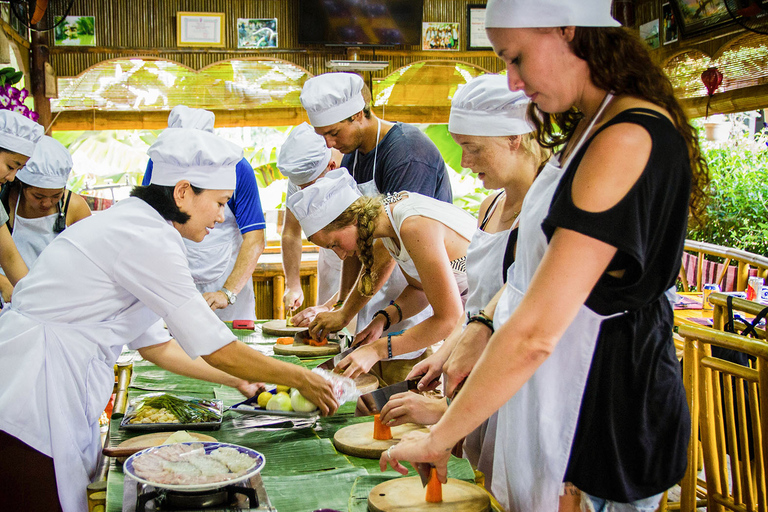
[231,297]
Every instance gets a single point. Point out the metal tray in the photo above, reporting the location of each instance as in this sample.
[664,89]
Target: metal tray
[160,427]
[251,406]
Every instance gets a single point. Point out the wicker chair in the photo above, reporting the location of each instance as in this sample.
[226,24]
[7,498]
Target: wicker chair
[736,479]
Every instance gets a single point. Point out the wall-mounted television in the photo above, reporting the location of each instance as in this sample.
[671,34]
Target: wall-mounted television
[360,22]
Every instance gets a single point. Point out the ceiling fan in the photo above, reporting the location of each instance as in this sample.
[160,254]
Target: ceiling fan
[41,15]
[750,14]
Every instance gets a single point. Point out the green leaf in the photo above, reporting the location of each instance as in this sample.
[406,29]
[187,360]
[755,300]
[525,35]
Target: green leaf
[16,77]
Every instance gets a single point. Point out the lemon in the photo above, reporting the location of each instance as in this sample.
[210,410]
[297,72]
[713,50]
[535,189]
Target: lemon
[264,397]
[282,389]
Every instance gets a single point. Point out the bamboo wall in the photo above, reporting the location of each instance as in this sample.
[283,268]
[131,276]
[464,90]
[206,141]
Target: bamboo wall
[126,28]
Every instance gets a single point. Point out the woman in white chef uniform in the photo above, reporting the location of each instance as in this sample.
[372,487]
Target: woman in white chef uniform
[426,237]
[18,138]
[105,282]
[39,205]
[303,159]
[581,365]
[489,122]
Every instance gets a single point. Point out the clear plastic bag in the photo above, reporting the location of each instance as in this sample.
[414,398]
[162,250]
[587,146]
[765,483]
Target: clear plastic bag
[344,388]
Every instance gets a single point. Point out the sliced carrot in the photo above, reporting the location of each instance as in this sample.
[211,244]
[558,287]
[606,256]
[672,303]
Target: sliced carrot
[434,488]
[284,341]
[380,431]
[317,343]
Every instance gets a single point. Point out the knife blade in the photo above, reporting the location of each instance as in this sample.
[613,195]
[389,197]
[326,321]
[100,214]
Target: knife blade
[330,364]
[423,469]
[376,399]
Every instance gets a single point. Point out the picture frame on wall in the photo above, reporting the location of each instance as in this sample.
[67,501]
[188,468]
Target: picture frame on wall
[669,29]
[75,31]
[476,37]
[693,19]
[257,33]
[649,32]
[200,29]
[440,36]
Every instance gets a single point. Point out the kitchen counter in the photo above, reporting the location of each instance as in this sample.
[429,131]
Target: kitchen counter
[303,472]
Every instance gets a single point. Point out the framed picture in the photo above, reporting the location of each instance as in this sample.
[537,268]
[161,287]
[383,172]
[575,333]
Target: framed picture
[649,32]
[256,33]
[75,31]
[476,38]
[668,24]
[199,29]
[439,36]
[696,16]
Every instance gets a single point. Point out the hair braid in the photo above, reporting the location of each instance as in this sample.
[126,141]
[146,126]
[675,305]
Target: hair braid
[363,211]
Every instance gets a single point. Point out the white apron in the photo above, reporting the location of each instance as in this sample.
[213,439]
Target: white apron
[485,261]
[535,428]
[31,236]
[212,260]
[396,282]
[328,274]
[61,338]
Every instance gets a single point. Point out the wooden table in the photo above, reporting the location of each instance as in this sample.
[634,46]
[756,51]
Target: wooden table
[692,316]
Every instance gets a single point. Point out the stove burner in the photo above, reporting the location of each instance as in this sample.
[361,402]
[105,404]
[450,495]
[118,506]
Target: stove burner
[152,499]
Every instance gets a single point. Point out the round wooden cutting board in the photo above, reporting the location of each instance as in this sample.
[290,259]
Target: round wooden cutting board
[304,350]
[358,439]
[366,383]
[278,328]
[138,443]
[407,494]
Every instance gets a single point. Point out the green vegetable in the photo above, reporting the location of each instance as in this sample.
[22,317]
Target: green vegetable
[186,411]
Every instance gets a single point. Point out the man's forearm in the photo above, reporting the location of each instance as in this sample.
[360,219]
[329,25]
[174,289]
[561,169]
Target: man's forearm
[170,356]
[247,258]
[291,255]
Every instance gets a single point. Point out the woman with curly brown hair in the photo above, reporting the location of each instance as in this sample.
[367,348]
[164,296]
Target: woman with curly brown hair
[427,238]
[581,365]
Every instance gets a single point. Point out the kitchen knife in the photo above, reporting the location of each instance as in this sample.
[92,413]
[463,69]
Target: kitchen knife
[376,399]
[423,469]
[331,363]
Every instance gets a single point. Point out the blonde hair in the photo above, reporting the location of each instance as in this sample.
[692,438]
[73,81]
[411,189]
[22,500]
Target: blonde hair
[530,145]
[363,211]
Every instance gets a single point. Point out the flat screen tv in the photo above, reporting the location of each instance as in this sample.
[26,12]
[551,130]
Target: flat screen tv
[360,22]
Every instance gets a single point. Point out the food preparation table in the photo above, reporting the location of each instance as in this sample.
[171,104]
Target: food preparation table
[304,471]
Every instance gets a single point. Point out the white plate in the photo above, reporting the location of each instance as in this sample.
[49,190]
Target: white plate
[208,447]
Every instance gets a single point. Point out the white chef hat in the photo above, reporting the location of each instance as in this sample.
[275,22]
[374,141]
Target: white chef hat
[195,118]
[320,203]
[49,166]
[18,133]
[332,97]
[485,106]
[202,158]
[549,13]
[303,156]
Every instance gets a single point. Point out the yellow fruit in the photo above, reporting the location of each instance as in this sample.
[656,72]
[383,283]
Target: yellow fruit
[282,389]
[264,398]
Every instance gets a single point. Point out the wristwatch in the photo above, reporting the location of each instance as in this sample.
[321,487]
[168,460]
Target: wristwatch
[231,297]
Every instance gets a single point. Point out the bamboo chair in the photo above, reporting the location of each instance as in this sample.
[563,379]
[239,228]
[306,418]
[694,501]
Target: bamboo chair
[722,417]
[720,313]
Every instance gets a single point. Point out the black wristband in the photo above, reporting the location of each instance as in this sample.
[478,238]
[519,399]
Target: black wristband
[483,320]
[386,315]
[399,311]
[389,346]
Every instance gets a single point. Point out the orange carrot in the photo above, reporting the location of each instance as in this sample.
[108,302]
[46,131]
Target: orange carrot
[380,431]
[317,343]
[434,488]
[284,341]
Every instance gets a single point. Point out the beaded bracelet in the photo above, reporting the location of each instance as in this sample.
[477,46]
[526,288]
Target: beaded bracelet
[399,311]
[338,304]
[483,320]
[386,315]
[389,346]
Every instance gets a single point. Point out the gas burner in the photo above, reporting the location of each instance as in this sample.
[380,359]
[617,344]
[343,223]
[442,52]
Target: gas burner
[231,498]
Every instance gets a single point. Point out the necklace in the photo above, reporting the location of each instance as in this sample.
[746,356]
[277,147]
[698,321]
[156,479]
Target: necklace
[511,218]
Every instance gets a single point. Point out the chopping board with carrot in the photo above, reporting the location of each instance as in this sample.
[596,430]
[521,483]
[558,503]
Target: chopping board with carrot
[368,440]
[302,345]
[409,494]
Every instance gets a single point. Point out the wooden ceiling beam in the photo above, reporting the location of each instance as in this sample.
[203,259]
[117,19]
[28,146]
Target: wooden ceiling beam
[738,100]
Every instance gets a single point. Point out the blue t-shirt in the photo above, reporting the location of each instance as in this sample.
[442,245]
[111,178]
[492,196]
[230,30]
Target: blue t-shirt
[245,202]
[407,160]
